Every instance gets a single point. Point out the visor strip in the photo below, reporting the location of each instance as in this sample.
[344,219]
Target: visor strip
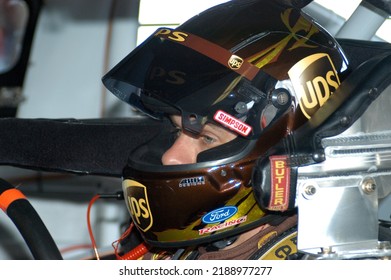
[209,49]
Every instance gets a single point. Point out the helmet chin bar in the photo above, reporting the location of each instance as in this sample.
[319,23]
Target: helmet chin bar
[337,199]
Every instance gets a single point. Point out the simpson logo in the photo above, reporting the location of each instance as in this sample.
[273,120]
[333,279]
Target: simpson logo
[313,91]
[137,203]
[280,183]
[232,123]
[235,62]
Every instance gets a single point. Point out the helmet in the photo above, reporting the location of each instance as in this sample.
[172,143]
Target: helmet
[259,68]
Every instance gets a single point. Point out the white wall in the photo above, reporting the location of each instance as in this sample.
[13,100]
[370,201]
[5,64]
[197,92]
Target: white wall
[67,59]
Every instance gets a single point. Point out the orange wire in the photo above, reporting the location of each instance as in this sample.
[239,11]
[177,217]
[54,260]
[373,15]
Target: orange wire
[133,254]
[75,247]
[95,198]
[136,253]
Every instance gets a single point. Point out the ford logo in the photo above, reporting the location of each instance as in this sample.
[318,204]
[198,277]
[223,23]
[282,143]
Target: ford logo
[219,215]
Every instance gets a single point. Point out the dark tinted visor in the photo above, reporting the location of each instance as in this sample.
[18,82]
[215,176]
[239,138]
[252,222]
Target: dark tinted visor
[174,71]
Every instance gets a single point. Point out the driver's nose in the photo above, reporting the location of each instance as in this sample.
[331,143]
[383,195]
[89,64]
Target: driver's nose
[183,151]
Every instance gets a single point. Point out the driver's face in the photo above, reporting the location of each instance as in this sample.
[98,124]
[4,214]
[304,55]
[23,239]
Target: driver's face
[187,146]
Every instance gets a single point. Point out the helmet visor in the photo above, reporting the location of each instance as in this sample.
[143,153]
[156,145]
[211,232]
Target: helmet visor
[177,72]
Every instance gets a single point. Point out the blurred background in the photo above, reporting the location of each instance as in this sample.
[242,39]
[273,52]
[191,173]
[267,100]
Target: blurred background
[53,54]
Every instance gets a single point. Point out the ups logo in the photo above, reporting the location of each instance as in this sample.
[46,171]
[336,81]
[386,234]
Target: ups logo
[137,202]
[235,62]
[314,79]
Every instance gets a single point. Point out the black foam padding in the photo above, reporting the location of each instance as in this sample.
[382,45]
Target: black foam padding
[95,146]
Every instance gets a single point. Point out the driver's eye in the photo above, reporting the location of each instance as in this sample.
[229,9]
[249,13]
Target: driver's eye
[208,140]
